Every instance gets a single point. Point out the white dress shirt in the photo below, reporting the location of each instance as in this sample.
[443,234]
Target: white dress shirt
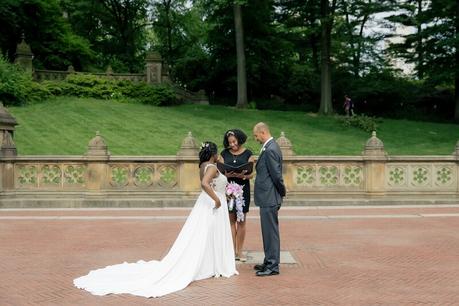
[264,145]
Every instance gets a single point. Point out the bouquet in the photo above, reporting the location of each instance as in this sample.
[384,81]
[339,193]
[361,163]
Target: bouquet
[235,196]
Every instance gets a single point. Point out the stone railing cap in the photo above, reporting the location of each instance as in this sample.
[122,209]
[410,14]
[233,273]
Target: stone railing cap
[97,146]
[189,146]
[283,141]
[23,48]
[153,56]
[374,142]
[6,118]
[285,145]
[189,141]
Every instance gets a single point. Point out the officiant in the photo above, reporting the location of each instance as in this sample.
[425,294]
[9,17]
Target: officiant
[236,156]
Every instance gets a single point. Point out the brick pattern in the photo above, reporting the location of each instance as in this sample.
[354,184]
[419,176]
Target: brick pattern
[388,261]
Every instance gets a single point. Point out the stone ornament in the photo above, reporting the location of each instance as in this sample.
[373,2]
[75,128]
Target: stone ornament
[329,176]
[418,176]
[374,147]
[97,146]
[189,146]
[285,145]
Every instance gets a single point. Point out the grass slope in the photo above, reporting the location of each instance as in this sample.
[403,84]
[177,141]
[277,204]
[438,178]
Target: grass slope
[65,126]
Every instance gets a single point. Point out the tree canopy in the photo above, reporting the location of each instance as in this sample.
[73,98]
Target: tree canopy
[390,56]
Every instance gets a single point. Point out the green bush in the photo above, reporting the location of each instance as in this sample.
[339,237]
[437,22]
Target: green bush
[37,93]
[14,83]
[17,86]
[366,123]
[92,86]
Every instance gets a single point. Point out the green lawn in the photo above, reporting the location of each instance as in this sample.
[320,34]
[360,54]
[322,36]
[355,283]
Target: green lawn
[65,126]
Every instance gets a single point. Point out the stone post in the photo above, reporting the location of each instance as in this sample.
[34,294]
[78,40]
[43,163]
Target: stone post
[200,97]
[188,161]
[109,71]
[8,150]
[153,67]
[375,159]
[165,77]
[24,56]
[456,154]
[288,167]
[285,145]
[97,157]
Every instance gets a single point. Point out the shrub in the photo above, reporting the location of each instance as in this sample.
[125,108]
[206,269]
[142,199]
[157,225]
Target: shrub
[366,123]
[160,95]
[14,83]
[17,86]
[82,85]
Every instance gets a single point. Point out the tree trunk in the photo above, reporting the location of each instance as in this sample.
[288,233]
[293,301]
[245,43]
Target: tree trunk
[167,9]
[456,84]
[419,48]
[315,51]
[456,73]
[240,57]
[326,107]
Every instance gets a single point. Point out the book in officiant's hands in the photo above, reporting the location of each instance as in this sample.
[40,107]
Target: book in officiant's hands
[246,168]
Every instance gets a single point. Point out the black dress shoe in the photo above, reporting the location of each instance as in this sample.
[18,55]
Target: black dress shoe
[267,272]
[259,267]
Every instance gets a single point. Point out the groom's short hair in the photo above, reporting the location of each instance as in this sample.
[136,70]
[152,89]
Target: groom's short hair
[261,126]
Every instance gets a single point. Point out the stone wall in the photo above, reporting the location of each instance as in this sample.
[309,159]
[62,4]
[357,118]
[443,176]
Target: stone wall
[156,72]
[99,179]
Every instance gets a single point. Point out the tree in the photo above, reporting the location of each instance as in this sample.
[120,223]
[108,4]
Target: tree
[327,13]
[115,28]
[265,49]
[240,57]
[356,49]
[48,33]
[299,22]
[432,48]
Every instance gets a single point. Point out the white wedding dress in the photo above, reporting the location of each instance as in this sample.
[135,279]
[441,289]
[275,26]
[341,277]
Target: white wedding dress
[203,249]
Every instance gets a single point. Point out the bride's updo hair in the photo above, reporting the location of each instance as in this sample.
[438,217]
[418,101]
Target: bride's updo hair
[208,149]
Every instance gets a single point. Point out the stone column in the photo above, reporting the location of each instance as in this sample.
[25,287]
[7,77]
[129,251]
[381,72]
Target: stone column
[188,161]
[288,169]
[285,145]
[97,157]
[24,56]
[109,71]
[375,159]
[456,154]
[165,77]
[153,67]
[8,151]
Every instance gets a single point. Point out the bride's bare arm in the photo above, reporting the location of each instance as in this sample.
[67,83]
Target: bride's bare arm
[205,184]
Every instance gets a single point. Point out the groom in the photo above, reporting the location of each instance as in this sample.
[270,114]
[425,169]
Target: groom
[269,190]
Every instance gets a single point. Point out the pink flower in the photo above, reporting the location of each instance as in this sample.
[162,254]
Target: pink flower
[235,193]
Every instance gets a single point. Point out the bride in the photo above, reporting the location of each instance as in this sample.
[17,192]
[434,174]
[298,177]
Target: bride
[203,248]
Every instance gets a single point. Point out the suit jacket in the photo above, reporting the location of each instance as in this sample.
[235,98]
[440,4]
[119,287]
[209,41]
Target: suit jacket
[269,185]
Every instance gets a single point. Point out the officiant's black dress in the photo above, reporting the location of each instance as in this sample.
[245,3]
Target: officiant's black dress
[239,160]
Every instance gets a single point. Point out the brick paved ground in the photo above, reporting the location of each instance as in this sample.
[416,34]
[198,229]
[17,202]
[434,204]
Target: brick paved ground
[345,256]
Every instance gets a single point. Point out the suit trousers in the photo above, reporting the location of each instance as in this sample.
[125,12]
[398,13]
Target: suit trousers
[271,240]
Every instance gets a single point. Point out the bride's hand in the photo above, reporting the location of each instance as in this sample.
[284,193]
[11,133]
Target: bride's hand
[218,203]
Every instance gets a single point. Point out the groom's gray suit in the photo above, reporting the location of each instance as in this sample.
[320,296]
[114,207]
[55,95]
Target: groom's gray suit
[268,193]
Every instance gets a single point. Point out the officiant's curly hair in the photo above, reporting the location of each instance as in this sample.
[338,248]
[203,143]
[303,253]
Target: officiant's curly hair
[208,149]
[240,136]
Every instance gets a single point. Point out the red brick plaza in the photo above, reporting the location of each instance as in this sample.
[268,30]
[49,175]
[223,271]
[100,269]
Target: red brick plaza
[399,255]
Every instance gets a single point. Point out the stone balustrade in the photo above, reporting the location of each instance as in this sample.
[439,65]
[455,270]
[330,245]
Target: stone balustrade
[99,179]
